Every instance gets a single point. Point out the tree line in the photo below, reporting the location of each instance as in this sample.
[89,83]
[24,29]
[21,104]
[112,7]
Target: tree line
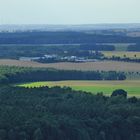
[22,74]
[124,59]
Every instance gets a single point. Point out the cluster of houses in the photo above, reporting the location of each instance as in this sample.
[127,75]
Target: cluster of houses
[37,58]
[58,58]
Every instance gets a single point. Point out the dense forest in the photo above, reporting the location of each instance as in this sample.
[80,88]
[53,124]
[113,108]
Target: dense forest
[23,74]
[63,38]
[63,114]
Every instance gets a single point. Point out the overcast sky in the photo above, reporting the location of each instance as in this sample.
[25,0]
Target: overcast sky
[69,11]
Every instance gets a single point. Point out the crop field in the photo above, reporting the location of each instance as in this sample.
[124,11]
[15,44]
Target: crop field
[87,66]
[122,46]
[131,86]
[122,54]
[119,46]
[134,34]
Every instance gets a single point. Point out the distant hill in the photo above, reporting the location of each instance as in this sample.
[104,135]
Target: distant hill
[86,27]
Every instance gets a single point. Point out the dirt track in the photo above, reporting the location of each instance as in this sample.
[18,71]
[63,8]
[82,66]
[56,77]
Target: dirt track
[104,65]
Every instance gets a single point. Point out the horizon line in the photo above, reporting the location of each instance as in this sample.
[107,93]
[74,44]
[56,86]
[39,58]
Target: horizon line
[130,23]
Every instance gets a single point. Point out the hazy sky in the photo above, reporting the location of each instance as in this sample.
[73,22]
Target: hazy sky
[69,11]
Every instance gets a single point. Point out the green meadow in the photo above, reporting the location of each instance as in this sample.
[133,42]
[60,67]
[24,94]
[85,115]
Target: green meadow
[107,87]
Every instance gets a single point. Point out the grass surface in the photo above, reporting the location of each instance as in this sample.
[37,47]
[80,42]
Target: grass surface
[132,87]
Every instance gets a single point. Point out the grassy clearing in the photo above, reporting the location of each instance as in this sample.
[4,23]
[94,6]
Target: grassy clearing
[122,54]
[132,87]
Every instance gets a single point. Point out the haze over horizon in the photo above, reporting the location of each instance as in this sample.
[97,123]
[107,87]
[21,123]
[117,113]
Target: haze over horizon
[69,12]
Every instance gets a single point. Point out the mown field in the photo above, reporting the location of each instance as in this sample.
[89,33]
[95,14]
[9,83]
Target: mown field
[122,54]
[131,86]
[87,66]
[119,46]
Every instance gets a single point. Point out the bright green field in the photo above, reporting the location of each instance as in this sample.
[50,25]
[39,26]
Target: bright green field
[132,87]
